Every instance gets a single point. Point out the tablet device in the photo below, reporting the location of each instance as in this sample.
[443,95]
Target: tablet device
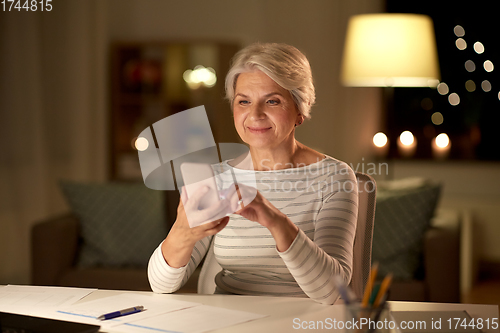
[10,322]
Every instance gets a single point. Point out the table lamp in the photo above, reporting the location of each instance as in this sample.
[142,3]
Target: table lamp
[390,50]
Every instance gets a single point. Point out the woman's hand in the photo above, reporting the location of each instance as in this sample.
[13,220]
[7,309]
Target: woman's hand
[180,241]
[197,216]
[265,213]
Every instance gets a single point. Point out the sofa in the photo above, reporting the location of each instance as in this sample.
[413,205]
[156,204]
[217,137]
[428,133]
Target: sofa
[57,243]
[438,279]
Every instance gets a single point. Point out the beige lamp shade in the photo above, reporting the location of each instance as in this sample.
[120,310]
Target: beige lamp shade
[397,50]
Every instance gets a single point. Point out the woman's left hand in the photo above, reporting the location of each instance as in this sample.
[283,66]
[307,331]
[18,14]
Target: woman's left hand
[260,210]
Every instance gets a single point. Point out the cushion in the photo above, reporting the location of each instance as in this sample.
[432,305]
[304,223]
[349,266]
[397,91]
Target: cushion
[402,215]
[121,223]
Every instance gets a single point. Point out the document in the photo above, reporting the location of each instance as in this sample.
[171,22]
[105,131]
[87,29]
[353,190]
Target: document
[30,300]
[87,312]
[161,314]
[197,319]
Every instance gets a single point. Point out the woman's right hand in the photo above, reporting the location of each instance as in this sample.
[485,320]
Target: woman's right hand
[180,241]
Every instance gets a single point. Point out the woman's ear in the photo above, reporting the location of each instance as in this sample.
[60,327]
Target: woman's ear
[300,119]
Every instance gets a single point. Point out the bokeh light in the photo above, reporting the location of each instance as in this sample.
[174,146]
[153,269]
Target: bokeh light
[470,86]
[427,104]
[478,47]
[443,88]
[470,66]
[459,31]
[442,140]
[454,99]
[461,44]
[200,76]
[141,143]
[406,138]
[380,139]
[486,85]
[437,118]
[488,66]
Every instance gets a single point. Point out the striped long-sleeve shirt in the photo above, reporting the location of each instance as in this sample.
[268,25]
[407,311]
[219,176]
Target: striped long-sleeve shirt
[321,199]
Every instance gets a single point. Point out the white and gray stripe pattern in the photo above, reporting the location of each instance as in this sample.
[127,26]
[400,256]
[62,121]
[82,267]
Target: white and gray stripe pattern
[321,199]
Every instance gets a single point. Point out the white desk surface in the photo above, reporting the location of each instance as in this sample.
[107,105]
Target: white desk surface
[281,311]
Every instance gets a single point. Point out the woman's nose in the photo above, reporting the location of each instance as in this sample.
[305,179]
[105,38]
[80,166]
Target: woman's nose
[257,112]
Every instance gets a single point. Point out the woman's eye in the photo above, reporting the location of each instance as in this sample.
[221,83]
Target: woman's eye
[243,102]
[273,101]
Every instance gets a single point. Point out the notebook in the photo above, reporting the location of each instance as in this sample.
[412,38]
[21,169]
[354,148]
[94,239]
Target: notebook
[14,323]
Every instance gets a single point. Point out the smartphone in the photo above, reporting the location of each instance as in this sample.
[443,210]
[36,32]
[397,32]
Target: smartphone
[197,175]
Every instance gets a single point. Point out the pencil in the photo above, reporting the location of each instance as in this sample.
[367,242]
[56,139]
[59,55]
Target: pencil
[369,285]
[383,289]
[374,294]
[378,312]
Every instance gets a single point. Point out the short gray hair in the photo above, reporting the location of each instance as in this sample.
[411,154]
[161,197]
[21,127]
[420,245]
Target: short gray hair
[284,64]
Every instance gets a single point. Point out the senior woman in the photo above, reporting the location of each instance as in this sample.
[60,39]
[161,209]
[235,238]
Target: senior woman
[297,234]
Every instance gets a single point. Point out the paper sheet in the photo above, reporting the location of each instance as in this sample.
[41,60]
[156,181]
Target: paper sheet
[197,319]
[161,314]
[87,312]
[31,300]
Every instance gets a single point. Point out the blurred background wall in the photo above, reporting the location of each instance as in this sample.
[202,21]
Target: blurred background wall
[54,100]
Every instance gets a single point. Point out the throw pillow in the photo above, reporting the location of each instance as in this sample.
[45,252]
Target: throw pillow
[402,216]
[121,223]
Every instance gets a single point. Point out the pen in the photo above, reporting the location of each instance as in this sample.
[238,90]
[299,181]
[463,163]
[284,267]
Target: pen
[121,313]
[343,289]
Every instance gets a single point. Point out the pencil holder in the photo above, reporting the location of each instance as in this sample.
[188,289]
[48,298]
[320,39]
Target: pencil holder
[367,320]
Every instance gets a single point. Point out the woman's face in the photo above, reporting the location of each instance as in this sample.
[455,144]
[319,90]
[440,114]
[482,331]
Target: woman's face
[264,113]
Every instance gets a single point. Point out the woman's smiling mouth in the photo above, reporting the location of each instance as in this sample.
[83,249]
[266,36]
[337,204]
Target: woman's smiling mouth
[258,130]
